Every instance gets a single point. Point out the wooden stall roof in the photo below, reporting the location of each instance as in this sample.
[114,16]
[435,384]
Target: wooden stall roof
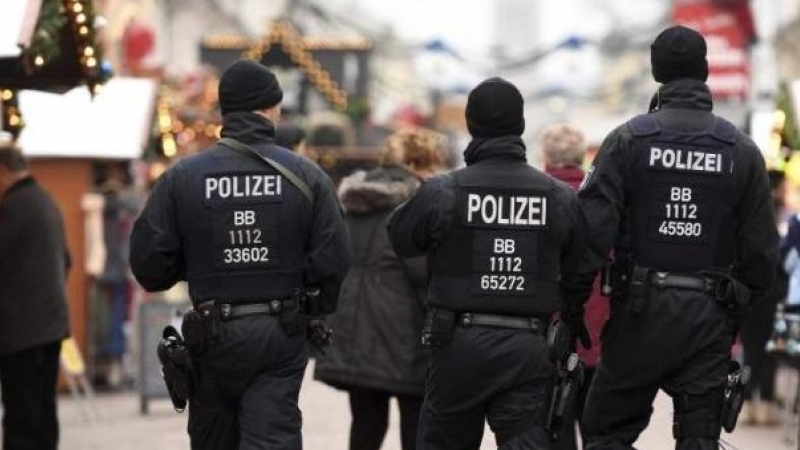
[116,124]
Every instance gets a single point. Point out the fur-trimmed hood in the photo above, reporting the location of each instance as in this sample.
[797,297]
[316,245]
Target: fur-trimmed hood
[379,189]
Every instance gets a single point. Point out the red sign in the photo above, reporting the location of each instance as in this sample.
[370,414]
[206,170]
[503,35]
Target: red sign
[728,28]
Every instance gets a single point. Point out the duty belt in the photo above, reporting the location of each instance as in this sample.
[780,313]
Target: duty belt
[533,324]
[231,311]
[662,280]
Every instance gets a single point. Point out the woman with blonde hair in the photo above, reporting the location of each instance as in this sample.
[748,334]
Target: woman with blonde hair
[376,354]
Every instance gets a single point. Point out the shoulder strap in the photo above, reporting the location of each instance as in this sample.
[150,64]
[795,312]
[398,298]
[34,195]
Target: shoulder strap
[724,130]
[644,125]
[250,151]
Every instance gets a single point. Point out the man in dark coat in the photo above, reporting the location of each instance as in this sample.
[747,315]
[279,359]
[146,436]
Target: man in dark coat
[259,236]
[33,305]
[682,198]
[503,241]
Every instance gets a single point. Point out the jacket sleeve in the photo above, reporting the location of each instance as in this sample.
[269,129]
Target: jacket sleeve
[156,254]
[328,247]
[756,232]
[10,228]
[602,197]
[418,225]
[577,280]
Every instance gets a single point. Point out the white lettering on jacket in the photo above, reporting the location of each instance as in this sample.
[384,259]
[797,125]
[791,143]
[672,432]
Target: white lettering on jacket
[511,210]
[688,160]
[243,186]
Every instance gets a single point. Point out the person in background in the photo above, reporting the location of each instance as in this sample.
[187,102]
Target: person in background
[760,409]
[292,137]
[120,208]
[564,149]
[376,354]
[34,262]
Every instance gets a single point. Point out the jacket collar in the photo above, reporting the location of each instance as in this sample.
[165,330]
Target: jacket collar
[685,93]
[27,181]
[379,189]
[505,147]
[247,127]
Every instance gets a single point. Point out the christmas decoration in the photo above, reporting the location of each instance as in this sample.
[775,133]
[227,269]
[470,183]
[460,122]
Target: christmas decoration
[284,34]
[81,15]
[11,117]
[137,42]
[45,45]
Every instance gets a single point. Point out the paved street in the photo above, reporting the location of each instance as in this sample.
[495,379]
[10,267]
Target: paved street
[326,425]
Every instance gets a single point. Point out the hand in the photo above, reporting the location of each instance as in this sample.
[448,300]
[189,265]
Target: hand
[319,334]
[574,320]
[580,332]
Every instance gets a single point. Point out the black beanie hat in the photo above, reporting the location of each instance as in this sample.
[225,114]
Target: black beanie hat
[679,52]
[247,85]
[495,108]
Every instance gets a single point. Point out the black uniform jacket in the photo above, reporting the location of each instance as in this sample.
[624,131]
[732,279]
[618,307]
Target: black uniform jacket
[684,105]
[33,267]
[421,225]
[167,233]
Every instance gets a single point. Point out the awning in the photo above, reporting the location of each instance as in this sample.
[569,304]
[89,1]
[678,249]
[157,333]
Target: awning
[115,125]
[16,25]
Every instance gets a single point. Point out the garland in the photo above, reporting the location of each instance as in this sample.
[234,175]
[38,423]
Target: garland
[11,116]
[45,46]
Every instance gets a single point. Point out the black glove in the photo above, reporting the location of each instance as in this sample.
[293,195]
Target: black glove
[319,334]
[573,317]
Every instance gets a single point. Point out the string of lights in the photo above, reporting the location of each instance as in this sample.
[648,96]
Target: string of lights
[81,17]
[284,34]
[12,118]
[47,48]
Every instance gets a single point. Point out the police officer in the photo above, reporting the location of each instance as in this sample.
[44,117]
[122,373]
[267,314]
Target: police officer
[257,233]
[683,199]
[502,240]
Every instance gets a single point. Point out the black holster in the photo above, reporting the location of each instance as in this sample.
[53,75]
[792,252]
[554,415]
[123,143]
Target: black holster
[735,387]
[295,320]
[568,380]
[438,327]
[638,289]
[202,328]
[729,292]
[176,368]
[305,318]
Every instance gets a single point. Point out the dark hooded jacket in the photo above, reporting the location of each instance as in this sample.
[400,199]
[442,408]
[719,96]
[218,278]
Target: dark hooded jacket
[379,320]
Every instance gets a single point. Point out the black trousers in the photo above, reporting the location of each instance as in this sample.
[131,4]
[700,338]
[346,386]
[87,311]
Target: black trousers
[28,382]
[680,343]
[499,375]
[370,411]
[249,385]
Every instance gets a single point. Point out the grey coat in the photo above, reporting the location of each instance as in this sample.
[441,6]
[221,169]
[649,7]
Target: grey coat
[33,267]
[377,326]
